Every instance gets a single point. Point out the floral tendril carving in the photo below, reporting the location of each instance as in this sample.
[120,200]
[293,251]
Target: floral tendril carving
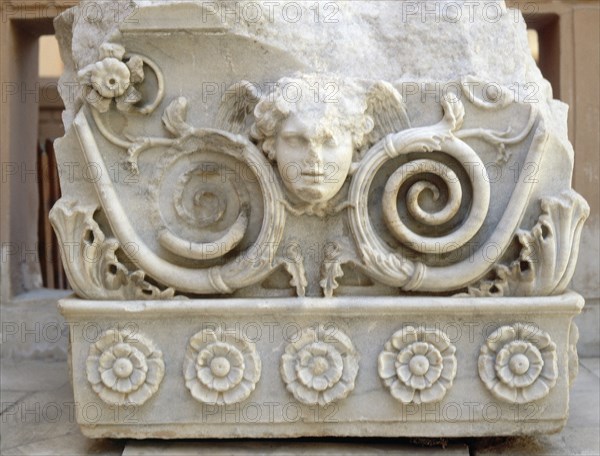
[220,367]
[320,367]
[238,273]
[113,79]
[117,76]
[518,363]
[124,368]
[418,365]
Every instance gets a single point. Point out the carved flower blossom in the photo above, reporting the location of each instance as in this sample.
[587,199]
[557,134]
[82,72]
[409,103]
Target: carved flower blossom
[124,368]
[111,78]
[220,367]
[320,367]
[418,365]
[518,363]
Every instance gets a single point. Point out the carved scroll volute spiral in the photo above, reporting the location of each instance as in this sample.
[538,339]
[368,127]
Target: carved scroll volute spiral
[254,264]
[249,267]
[390,267]
[195,196]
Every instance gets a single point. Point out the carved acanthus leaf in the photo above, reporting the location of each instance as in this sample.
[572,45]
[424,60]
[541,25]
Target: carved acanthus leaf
[331,269]
[485,288]
[330,273]
[294,265]
[548,252]
[90,259]
[395,266]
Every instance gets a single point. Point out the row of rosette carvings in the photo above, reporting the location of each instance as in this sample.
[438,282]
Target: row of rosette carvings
[517,363]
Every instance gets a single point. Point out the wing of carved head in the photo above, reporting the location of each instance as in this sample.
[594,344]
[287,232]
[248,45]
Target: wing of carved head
[237,106]
[388,110]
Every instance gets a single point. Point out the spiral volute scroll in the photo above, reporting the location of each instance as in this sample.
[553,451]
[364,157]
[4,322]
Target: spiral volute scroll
[468,228]
[204,204]
[391,267]
[251,265]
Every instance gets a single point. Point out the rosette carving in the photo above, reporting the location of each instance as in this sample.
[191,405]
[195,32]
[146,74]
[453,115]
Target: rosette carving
[220,367]
[119,77]
[518,363]
[320,367]
[418,365]
[111,78]
[124,368]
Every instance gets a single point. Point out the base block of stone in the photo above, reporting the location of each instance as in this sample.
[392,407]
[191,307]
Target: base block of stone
[287,448]
[302,367]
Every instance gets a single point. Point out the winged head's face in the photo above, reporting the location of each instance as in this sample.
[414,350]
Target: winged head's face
[313,153]
[311,126]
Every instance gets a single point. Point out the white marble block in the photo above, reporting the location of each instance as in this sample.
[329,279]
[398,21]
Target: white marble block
[286,219]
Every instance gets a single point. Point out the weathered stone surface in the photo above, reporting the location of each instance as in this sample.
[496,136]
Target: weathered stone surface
[28,433]
[356,393]
[399,149]
[285,448]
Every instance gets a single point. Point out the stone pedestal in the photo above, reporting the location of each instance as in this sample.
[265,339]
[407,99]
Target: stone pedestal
[359,223]
[465,390]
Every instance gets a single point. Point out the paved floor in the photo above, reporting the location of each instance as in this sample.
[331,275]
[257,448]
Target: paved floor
[37,419]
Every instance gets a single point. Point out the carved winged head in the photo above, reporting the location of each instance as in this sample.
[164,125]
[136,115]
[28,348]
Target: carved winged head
[310,125]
